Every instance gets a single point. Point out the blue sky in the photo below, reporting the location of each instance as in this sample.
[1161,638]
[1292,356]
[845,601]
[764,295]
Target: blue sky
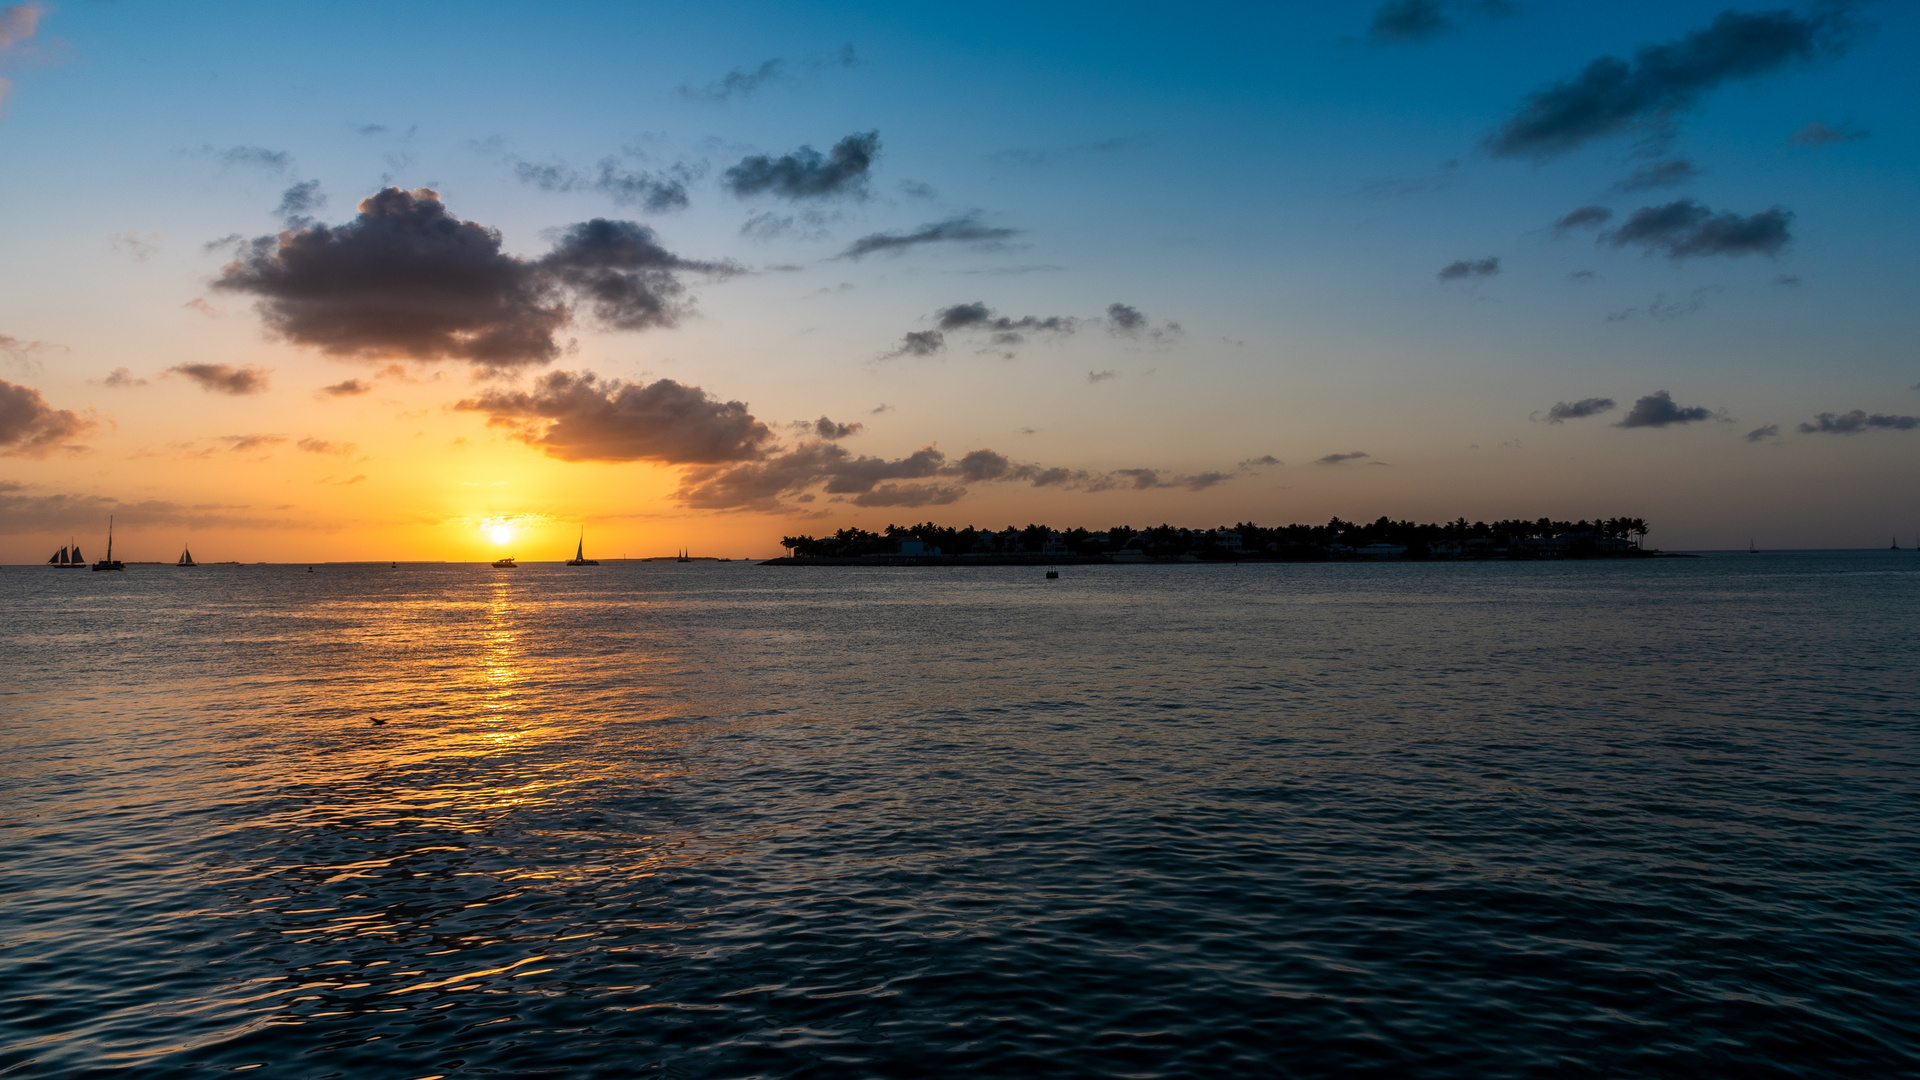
[1286,186]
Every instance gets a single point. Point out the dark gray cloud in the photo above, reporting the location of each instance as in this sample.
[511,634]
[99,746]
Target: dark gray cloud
[658,192]
[1583,217]
[121,378]
[1857,421]
[1658,174]
[1205,480]
[1819,134]
[1125,319]
[1762,434]
[298,202]
[805,173]
[1685,229]
[1613,95]
[824,428]
[408,278]
[29,427]
[1408,20]
[1258,462]
[1402,21]
[977,317]
[737,83]
[919,343]
[965,229]
[577,416]
[347,388]
[1101,376]
[1338,459]
[1465,269]
[1574,410]
[1658,410]
[224,378]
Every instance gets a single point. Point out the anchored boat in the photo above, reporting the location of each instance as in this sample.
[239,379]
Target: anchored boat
[109,563]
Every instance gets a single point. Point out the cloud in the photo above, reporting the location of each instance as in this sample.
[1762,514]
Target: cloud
[963,229]
[1819,134]
[241,444]
[824,428]
[1125,319]
[1574,410]
[1338,459]
[658,192]
[880,408]
[1101,376]
[1658,174]
[25,355]
[1762,434]
[805,174]
[916,189]
[322,446]
[199,304]
[737,83]
[224,378]
[120,377]
[1685,229]
[919,343]
[1254,463]
[29,427]
[1658,410]
[347,388]
[298,202]
[1464,269]
[134,244]
[253,157]
[408,278]
[22,513]
[18,24]
[977,317]
[1612,95]
[1408,20]
[1857,421]
[1205,480]
[1583,217]
[581,417]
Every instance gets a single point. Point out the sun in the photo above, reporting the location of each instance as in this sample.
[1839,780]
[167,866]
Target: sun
[501,533]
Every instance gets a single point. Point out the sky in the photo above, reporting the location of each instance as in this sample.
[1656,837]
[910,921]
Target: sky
[349,281]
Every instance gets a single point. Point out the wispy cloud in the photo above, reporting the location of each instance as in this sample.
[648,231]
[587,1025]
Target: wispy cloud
[965,229]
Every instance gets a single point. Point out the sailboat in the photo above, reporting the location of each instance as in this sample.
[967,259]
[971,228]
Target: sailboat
[186,557]
[580,553]
[109,563]
[1751,550]
[68,558]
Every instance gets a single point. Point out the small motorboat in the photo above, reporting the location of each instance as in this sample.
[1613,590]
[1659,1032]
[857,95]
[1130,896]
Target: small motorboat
[506,564]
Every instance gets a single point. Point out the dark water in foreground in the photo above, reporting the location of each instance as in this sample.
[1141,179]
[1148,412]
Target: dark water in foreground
[1577,819]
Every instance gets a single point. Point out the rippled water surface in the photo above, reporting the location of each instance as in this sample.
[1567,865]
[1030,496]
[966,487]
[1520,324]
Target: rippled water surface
[720,820]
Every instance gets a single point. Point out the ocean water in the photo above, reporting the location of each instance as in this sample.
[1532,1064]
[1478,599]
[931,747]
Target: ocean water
[1600,819]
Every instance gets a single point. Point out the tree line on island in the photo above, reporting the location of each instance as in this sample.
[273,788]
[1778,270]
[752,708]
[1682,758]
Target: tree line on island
[1384,538]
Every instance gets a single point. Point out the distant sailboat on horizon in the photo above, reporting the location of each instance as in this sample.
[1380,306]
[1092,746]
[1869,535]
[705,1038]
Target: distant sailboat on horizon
[186,557]
[1751,550]
[109,563]
[68,558]
[580,553]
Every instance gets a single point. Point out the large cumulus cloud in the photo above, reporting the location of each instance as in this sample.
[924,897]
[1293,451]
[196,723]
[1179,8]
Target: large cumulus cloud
[577,416]
[408,278]
[29,427]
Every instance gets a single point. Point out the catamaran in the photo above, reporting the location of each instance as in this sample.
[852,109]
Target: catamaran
[68,558]
[580,553]
[109,563]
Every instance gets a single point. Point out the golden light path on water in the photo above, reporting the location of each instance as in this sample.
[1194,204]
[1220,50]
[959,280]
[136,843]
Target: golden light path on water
[726,820]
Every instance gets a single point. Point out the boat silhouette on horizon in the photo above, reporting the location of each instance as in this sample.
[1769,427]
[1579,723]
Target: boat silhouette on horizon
[580,553]
[68,558]
[505,563]
[109,563]
[186,557]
